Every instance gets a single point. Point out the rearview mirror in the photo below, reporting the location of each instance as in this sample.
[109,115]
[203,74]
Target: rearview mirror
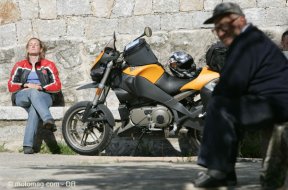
[148,31]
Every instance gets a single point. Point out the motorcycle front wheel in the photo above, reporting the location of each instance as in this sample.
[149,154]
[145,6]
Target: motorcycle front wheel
[85,138]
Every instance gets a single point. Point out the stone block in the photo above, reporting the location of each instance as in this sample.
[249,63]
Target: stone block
[122,8]
[6,56]
[75,28]
[143,7]
[191,5]
[256,15]
[210,5]
[71,77]
[268,3]
[102,8]
[8,35]
[5,95]
[72,7]
[160,45]
[266,16]
[136,25]
[48,9]
[165,6]
[275,33]
[177,21]
[188,41]
[49,29]
[29,9]
[198,17]
[5,73]
[24,31]
[9,12]
[95,27]
[276,17]
[244,3]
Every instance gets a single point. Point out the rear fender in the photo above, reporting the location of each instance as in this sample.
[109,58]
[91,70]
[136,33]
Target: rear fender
[206,75]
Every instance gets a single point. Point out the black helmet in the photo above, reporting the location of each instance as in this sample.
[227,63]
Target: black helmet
[182,64]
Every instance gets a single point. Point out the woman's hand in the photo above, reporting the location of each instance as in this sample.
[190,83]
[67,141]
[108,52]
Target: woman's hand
[35,86]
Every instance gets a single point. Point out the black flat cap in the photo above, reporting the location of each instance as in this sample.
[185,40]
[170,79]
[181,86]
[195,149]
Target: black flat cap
[224,9]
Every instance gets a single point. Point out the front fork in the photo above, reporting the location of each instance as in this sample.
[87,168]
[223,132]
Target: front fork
[101,86]
[100,93]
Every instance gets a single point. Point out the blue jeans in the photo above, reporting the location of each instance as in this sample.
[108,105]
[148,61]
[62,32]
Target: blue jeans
[37,104]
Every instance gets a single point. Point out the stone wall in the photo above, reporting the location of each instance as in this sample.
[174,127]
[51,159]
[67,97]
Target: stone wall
[76,30]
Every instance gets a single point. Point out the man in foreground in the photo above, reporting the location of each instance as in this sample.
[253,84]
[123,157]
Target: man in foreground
[252,94]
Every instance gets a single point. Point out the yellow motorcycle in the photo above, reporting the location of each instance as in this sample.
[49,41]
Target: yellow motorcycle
[150,99]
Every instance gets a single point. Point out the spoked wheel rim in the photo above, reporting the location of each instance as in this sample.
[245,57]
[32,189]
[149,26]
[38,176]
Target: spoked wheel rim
[85,136]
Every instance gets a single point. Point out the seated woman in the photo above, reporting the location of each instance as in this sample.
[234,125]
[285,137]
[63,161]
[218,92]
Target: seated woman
[32,82]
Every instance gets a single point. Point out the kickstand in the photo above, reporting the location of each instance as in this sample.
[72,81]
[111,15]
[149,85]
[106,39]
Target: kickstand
[138,143]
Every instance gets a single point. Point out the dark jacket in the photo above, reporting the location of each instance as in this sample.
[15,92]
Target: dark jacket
[46,71]
[254,66]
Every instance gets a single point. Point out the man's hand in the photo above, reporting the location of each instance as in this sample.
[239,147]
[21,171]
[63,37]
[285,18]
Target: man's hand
[35,86]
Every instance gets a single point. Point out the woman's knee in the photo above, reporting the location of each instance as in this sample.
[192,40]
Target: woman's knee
[37,96]
[34,93]
[22,99]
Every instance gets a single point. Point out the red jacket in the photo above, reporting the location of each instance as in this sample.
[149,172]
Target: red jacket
[46,71]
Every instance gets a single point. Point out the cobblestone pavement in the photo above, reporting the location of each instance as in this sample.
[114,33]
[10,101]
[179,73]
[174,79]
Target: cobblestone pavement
[46,171]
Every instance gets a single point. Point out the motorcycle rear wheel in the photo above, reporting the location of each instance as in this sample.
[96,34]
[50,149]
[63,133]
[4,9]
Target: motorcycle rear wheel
[189,142]
[89,138]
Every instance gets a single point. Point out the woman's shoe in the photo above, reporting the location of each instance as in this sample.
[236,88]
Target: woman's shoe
[28,150]
[50,125]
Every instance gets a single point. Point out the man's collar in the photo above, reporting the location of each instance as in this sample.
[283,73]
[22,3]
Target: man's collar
[245,27]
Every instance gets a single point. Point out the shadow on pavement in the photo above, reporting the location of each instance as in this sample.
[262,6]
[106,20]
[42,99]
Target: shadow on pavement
[143,176]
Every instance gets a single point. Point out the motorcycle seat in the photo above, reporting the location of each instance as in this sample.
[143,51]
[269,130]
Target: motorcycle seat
[171,84]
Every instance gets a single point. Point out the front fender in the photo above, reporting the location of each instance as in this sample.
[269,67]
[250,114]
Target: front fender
[107,113]
[108,116]
[89,85]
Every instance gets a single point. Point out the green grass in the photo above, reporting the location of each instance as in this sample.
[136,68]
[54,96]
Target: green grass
[59,148]
[54,148]
[2,148]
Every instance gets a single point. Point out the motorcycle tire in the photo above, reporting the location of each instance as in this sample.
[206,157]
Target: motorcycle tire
[89,138]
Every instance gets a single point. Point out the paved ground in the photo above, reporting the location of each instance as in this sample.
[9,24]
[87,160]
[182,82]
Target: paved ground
[44,171]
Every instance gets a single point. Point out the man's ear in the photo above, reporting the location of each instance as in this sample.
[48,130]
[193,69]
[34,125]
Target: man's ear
[243,20]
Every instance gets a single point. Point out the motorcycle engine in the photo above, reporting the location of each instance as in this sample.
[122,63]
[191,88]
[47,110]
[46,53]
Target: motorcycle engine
[158,116]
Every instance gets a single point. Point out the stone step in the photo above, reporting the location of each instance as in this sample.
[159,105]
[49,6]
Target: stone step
[19,113]
[13,122]
[15,113]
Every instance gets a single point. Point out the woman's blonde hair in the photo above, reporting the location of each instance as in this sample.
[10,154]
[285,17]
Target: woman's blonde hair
[42,46]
